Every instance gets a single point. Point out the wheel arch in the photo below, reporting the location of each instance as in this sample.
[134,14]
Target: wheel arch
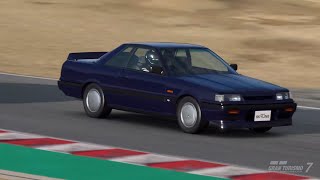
[183,96]
[86,84]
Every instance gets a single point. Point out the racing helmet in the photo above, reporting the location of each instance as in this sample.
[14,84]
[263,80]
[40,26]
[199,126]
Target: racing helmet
[152,57]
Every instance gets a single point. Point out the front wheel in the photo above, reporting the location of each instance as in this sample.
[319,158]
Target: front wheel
[94,102]
[189,116]
[260,130]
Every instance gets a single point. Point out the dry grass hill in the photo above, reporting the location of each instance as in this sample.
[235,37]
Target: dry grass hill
[274,40]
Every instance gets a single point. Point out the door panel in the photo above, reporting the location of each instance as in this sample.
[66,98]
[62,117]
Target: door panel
[146,91]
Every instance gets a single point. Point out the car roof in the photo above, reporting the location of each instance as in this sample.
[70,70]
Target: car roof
[167,45]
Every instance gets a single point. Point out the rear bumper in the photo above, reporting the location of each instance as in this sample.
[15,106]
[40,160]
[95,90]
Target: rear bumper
[70,88]
[218,115]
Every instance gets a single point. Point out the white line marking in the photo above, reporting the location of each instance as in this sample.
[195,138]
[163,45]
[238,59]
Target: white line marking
[225,171]
[28,76]
[10,175]
[68,148]
[146,159]
[17,136]
[307,107]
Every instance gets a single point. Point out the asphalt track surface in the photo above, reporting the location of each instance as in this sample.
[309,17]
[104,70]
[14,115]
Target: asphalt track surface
[37,106]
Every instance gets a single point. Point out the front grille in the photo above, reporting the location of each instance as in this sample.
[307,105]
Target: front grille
[247,111]
[275,115]
[257,98]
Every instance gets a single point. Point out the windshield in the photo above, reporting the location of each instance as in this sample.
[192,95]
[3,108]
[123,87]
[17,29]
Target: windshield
[187,61]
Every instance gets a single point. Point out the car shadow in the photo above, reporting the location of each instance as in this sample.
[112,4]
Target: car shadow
[172,125]
[14,93]
[301,125]
[238,133]
[144,120]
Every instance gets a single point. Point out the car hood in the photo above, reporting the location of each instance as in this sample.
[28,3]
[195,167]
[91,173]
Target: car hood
[232,83]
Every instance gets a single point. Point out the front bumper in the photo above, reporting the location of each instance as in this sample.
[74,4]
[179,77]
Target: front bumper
[218,115]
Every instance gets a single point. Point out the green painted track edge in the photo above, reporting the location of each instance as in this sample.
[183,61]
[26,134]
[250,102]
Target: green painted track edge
[66,166]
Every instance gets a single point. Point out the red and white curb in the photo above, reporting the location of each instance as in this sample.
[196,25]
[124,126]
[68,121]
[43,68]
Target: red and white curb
[187,165]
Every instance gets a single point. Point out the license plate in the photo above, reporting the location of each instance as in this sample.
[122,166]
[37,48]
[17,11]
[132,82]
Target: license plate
[262,115]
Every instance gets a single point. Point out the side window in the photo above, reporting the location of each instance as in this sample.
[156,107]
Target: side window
[180,62]
[181,53]
[121,59]
[143,59]
[182,58]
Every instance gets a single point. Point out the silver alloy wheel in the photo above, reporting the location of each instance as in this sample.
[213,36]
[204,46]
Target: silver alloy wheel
[188,114]
[93,100]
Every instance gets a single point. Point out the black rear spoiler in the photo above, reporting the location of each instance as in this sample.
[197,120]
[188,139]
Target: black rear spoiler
[85,55]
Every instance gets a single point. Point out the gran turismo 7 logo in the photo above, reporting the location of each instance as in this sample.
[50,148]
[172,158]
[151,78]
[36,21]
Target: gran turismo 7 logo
[284,167]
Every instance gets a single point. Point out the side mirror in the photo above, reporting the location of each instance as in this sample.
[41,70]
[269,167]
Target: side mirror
[156,69]
[234,66]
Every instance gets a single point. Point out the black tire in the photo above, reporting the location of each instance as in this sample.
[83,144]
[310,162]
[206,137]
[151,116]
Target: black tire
[102,110]
[199,124]
[260,130]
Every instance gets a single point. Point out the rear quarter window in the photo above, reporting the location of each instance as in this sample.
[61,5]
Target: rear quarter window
[121,59]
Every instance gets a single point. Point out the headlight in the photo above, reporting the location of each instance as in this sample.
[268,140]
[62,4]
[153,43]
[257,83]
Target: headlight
[219,98]
[283,96]
[286,95]
[279,96]
[227,97]
[234,97]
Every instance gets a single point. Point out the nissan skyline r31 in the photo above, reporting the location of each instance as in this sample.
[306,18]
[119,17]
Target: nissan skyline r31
[186,81]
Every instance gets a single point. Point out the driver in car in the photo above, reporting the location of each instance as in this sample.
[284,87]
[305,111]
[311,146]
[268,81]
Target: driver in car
[151,58]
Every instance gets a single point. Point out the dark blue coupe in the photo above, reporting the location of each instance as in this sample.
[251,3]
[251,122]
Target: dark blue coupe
[189,82]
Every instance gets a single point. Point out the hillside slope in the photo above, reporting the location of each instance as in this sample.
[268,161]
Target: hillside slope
[275,40]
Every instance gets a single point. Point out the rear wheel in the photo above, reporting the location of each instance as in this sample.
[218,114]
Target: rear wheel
[189,116]
[261,129]
[94,102]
